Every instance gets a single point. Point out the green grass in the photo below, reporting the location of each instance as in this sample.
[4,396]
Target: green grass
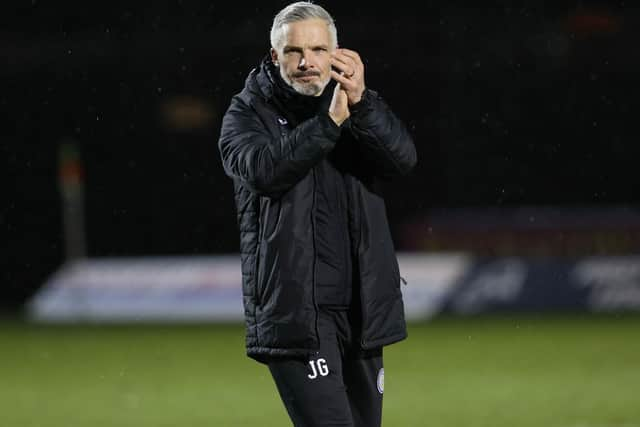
[528,371]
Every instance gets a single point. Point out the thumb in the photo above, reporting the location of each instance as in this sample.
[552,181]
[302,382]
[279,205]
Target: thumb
[335,99]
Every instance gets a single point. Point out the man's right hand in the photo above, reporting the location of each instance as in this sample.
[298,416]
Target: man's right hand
[339,108]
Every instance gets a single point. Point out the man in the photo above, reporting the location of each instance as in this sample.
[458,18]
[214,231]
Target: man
[305,142]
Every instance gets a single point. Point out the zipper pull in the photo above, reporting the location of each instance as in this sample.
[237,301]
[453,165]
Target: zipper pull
[404,282]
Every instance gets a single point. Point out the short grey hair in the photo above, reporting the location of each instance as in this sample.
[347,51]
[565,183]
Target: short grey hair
[300,11]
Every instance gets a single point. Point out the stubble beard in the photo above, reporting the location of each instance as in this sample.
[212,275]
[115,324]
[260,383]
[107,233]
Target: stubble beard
[308,89]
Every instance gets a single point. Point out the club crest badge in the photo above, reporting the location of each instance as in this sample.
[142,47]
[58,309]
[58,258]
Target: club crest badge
[380,381]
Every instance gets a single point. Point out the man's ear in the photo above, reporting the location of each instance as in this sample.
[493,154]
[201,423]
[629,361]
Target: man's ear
[274,57]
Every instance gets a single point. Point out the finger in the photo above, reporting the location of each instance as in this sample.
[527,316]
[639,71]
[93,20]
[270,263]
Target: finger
[347,65]
[343,67]
[344,81]
[345,59]
[335,62]
[350,66]
[355,62]
[353,55]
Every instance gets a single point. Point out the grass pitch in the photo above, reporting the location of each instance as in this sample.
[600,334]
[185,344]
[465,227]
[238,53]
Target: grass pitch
[515,371]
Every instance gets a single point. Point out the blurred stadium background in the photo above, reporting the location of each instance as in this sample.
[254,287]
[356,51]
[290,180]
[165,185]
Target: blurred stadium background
[518,233]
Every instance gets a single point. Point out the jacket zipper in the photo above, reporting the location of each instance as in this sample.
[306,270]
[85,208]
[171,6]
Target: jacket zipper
[313,239]
[356,250]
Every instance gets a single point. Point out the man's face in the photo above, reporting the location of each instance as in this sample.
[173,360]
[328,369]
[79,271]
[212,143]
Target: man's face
[304,60]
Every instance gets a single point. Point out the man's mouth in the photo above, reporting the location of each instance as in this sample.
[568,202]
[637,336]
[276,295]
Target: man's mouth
[306,77]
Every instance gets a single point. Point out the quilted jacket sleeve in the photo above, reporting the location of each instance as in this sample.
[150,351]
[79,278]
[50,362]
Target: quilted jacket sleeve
[383,139]
[266,165]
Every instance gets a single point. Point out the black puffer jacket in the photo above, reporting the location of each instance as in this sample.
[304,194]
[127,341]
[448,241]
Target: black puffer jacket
[273,165]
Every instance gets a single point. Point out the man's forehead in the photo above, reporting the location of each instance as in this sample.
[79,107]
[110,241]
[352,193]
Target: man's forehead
[307,31]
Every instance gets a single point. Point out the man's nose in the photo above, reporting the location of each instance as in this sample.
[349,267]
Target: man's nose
[303,62]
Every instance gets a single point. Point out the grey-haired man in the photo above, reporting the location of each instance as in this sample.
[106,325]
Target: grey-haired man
[305,143]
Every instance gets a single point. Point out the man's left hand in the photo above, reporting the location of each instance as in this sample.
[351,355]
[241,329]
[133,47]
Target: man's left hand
[350,73]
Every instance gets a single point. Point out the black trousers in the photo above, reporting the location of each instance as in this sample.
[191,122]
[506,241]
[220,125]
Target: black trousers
[339,386]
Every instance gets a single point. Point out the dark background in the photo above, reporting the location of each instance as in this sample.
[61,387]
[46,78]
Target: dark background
[511,104]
